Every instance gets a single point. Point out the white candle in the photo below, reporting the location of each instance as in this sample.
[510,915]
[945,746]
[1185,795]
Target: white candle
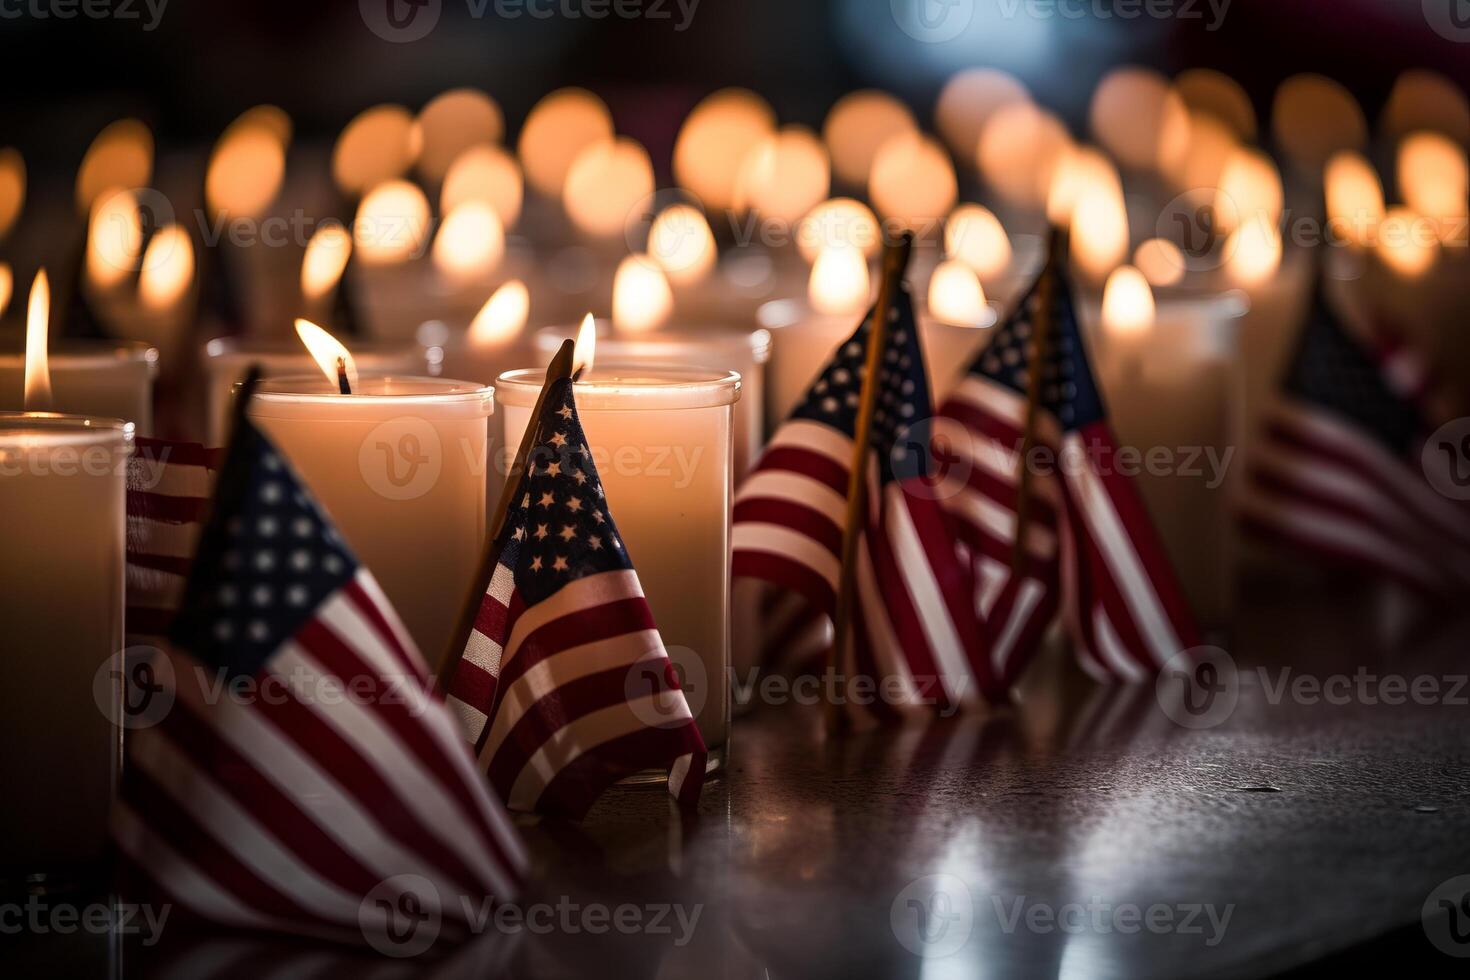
[98,378]
[227,359]
[400,466]
[725,346]
[661,439]
[63,519]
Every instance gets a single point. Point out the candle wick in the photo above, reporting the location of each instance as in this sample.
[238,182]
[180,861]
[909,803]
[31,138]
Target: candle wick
[342,384]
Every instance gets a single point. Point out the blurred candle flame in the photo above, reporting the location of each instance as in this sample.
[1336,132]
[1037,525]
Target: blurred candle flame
[912,181]
[7,286]
[503,316]
[839,281]
[488,174]
[37,370]
[1128,303]
[586,346]
[714,141]
[114,239]
[326,257]
[451,123]
[1434,181]
[642,299]
[784,176]
[120,158]
[682,243]
[327,351]
[12,188]
[168,268]
[392,223]
[857,126]
[976,237]
[1253,251]
[605,185]
[245,171]
[955,294]
[1161,262]
[1099,232]
[559,128]
[470,243]
[1250,187]
[378,145]
[840,221]
[1354,197]
[1407,243]
[1080,170]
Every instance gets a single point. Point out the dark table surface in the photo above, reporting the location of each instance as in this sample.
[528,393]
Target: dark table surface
[1082,834]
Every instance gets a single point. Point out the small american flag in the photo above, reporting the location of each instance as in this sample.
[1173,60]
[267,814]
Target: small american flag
[169,485]
[301,775]
[1090,547]
[1339,473]
[915,629]
[564,686]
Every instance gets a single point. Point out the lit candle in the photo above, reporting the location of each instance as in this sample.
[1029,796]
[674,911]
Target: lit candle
[724,345]
[228,359]
[662,442]
[63,517]
[399,462]
[98,378]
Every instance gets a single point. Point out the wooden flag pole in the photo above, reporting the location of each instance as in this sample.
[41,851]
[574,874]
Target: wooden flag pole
[1043,324]
[559,369]
[895,264]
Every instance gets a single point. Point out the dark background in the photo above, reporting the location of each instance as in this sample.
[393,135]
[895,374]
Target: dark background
[207,60]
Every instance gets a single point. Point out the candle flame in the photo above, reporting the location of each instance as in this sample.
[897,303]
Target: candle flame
[559,128]
[451,123]
[327,351]
[488,174]
[1080,171]
[1019,150]
[1253,251]
[245,170]
[784,176]
[503,316]
[168,268]
[839,221]
[714,140]
[326,257]
[1161,262]
[642,299]
[839,281]
[1128,303]
[586,346]
[682,243]
[1407,243]
[1433,180]
[1100,232]
[955,294]
[392,223]
[470,243]
[857,126]
[1250,187]
[7,286]
[912,181]
[378,145]
[114,239]
[12,188]
[1354,197]
[37,371]
[976,237]
[120,158]
[605,185]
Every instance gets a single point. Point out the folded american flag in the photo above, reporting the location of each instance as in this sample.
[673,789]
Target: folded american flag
[915,631]
[298,772]
[564,686]
[169,485]
[1090,547]
[1339,474]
